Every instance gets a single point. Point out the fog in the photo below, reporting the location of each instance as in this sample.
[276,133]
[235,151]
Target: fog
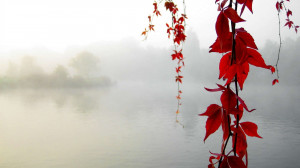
[106,63]
[104,104]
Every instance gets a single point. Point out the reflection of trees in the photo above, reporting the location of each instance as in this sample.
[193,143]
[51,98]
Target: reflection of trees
[79,100]
[30,75]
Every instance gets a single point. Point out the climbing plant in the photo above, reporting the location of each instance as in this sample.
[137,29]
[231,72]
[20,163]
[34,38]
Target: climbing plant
[238,51]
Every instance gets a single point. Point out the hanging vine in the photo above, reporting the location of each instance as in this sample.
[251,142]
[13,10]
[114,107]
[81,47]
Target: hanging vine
[239,51]
[176,31]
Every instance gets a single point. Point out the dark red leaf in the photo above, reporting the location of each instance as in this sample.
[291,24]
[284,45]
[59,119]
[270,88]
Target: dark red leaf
[289,23]
[223,3]
[228,99]
[214,119]
[241,142]
[249,5]
[288,13]
[247,39]
[222,26]
[224,64]
[235,162]
[278,6]
[250,129]
[225,125]
[232,15]
[222,45]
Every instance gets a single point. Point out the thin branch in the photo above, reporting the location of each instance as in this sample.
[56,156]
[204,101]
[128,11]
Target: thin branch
[280,42]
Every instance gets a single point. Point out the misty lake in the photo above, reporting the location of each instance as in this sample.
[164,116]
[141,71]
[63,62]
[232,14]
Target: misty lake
[133,126]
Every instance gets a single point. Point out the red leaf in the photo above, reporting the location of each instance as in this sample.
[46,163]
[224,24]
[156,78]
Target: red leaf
[235,162]
[151,27]
[241,1]
[213,90]
[232,15]
[224,163]
[224,64]
[246,38]
[144,32]
[296,28]
[222,26]
[278,6]
[178,69]
[250,129]
[242,73]
[241,142]
[249,5]
[243,104]
[225,125]
[288,13]
[230,73]
[214,119]
[228,99]
[222,45]
[179,78]
[223,3]
[275,81]
[289,23]
[241,112]
[256,59]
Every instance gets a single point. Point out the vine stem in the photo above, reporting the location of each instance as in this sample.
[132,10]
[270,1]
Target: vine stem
[280,42]
[233,60]
[226,142]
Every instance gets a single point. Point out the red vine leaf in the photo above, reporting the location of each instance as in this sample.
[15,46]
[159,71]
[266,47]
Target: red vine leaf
[288,13]
[179,79]
[228,99]
[289,23]
[246,38]
[250,129]
[214,119]
[235,162]
[222,27]
[232,15]
[241,142]
[151,27]
[275,81]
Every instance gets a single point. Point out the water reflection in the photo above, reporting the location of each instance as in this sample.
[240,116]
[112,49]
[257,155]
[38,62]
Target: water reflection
[130,126]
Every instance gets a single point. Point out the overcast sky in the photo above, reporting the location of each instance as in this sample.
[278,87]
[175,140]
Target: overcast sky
[58,24]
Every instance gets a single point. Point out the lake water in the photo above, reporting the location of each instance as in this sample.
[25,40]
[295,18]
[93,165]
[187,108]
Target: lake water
[133,126]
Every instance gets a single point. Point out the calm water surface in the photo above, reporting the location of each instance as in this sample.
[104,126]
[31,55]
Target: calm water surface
[133,126]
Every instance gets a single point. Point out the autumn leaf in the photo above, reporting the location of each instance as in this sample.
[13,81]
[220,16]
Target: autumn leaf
[235,162]
[144,33]
[178,69]
[288,13]
[232,15]
[222,45]
[246,38]
[222,26]
[214,119]
[241,142]
[228,99]
[289,23]
[275,81]
[151,27]
[250,129]
[179,78]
